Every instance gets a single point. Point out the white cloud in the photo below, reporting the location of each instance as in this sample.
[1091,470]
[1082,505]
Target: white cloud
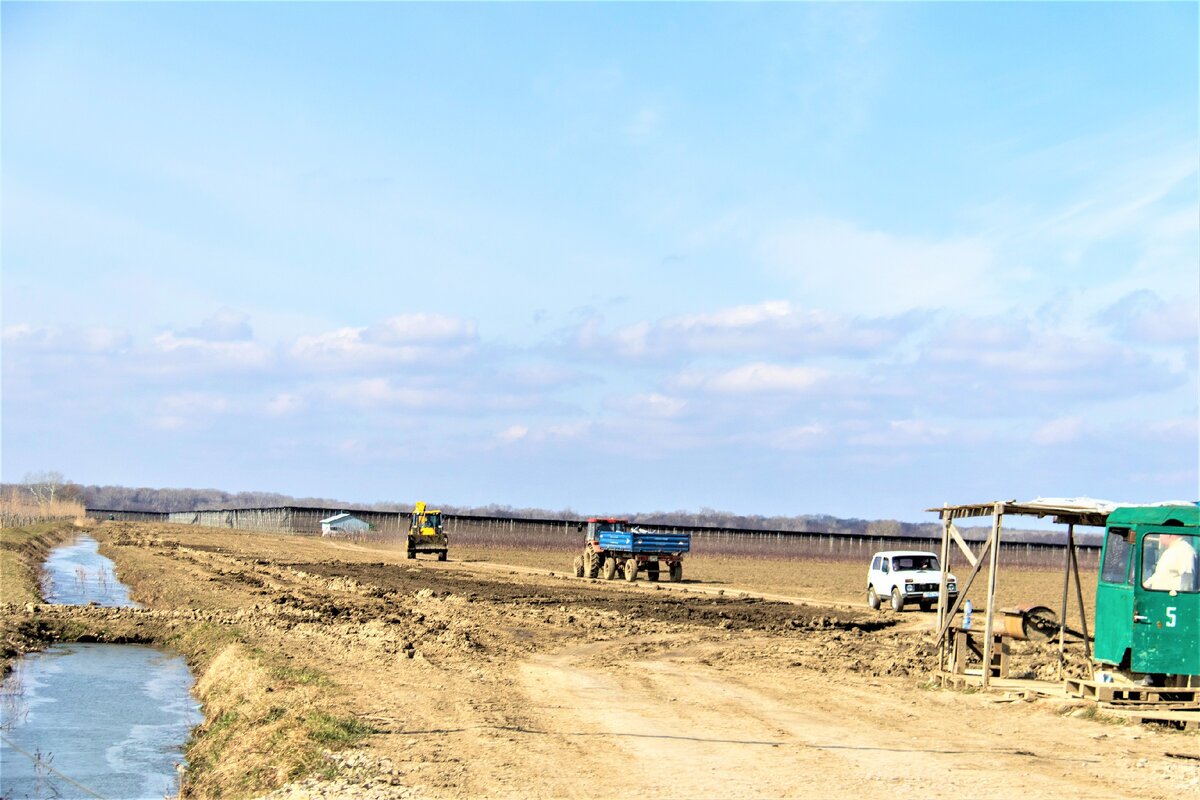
[380,392]
[645,123]
[800,437]
[755,378]
[94,340]
[651,404]
[1059,431]
[186,352]
[26,335]
[774,327]
[903,433]
[189,409]
[1145,317]
[836,265]
[284,403]
[513,433]
[1014,355]
[420,328]
[227,325]
[105,340]
[404,339]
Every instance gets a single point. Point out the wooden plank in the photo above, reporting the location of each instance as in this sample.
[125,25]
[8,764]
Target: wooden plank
[962,591]
[1119,693]
[962,544]
[1190,719]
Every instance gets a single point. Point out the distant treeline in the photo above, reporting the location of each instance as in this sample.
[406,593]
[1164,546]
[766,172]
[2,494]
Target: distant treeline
[127,498]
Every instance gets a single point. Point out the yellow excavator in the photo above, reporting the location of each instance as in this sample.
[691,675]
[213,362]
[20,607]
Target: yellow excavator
[425,534]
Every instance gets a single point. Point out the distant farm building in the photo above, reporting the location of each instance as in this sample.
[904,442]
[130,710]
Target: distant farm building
[343,524]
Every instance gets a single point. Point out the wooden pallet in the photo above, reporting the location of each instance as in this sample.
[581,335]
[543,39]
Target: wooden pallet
[973,678]
[1189,719]
[1117,694]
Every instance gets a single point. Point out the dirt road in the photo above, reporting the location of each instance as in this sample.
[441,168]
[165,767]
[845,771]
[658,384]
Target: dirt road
[478,680]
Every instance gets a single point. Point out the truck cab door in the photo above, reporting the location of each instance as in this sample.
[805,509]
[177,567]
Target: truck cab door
[1166,611]
[1114,597]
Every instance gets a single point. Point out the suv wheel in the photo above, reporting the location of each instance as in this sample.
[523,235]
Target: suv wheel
[872,598]
[897,600]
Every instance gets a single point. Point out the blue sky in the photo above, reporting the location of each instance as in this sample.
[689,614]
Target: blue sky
[777,258]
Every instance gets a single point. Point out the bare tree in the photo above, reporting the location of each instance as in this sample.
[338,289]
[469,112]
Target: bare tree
[45,486]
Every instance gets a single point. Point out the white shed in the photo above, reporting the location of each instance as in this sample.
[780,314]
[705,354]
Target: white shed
[343,523]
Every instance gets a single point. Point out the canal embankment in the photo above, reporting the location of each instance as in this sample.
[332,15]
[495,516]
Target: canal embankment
[268,721]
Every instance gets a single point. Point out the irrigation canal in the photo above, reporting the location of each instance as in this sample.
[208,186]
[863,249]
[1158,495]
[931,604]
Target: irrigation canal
[93,720]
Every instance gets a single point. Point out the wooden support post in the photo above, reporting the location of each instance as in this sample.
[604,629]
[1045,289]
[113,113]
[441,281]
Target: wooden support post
[1062,619]
[944,560]
[1087,645]
[994,539]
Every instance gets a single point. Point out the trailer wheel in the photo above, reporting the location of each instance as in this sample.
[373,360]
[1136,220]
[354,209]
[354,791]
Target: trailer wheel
[609,571]
[873,598]
[676,572]
[631,569]
[578,566]
[591,564]
[652,570]
[897,600]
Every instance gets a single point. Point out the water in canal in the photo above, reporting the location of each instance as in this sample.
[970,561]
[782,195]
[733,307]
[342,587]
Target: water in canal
[76,574]
[93,720]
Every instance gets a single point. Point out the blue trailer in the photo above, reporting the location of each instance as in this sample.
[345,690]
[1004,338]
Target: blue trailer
[614,546]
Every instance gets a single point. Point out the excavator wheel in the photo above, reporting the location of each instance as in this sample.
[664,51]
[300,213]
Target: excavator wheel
[441,555]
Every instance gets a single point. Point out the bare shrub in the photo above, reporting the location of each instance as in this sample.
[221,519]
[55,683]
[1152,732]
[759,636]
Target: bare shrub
[26,508]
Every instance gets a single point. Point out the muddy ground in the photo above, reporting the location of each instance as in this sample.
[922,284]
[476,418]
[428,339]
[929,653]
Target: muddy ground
[477,679]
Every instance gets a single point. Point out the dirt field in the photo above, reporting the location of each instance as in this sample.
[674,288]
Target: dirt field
[493,678]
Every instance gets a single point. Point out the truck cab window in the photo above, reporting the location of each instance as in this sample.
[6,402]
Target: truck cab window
[1117,554]
[1169,563]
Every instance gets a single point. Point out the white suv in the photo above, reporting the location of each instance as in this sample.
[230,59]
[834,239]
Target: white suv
[907,576]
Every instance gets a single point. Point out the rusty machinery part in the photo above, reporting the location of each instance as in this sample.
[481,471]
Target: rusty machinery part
[1028,622]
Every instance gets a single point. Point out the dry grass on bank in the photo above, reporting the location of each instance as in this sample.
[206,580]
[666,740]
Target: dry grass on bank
[18,509]
[22,551]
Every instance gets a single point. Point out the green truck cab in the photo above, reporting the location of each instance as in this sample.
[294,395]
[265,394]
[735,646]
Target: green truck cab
[1148,592]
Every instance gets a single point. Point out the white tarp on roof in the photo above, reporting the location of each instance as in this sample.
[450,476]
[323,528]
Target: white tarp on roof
[1093,505]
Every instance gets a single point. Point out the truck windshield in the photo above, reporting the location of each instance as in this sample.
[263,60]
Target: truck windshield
[1169,563]
[913,563]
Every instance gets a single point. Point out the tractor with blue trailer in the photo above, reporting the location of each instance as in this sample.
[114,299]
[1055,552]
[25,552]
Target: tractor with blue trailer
[613,545]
